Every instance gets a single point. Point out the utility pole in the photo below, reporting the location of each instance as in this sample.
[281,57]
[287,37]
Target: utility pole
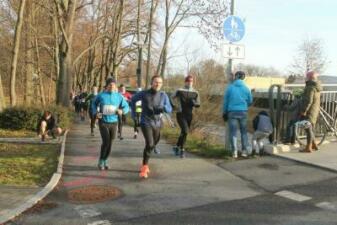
[140,50]
[229,80]
[230,61]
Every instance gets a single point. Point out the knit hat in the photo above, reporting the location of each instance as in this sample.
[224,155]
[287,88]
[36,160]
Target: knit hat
[240,75]
[188,78]
[310,75]
[110,80]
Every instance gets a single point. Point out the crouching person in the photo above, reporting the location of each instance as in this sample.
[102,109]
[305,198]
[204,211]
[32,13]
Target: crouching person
[263,128]
[47,126]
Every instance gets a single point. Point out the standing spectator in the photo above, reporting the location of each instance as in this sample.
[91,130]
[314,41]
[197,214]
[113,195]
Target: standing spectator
[263,128]
[188,98]
[310,108]
[237,99]
[294,109]
[122,118]
[154,103]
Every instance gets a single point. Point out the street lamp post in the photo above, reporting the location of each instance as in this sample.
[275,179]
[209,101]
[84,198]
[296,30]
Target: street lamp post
[139,66]
[230,61]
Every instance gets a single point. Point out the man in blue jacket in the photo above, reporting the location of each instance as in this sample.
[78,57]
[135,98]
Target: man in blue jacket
[237,99]
[154,104]
[110,104]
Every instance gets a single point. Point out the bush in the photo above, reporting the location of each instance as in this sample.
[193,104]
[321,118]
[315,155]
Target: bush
[17,118]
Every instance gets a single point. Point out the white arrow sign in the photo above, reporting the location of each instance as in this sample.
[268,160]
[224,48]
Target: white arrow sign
[233,51]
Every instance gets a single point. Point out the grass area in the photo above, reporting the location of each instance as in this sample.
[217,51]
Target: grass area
[197,143]
[28,165]
[16,133]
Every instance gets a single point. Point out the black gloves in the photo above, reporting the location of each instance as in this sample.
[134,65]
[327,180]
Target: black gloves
[195,104]
[158,110]
[224,117]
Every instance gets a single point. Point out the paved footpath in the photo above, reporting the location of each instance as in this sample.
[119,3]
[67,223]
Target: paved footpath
[173,184]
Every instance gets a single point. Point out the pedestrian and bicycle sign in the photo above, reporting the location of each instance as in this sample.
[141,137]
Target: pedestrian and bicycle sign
[234,29]
[233,51]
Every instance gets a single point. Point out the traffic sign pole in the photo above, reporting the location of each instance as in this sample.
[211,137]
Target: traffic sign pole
[229,79]
[230,61]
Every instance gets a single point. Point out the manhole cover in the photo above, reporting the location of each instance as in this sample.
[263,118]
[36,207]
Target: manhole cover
[93,194]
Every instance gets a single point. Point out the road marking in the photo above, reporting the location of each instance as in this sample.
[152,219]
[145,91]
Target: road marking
[293,196]
[87,211]
[327,206]
[100,222]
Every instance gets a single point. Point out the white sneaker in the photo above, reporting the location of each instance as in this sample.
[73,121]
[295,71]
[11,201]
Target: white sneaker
[235,155]
[244,154]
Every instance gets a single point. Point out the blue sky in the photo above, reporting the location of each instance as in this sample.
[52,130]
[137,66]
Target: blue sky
[274,29]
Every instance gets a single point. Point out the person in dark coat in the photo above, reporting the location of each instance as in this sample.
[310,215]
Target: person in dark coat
[310,107]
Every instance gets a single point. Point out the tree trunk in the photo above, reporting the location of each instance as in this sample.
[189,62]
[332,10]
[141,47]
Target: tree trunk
[2,97]
[65,73]
[148,63]
[28,96]
[16,47]
[42,94]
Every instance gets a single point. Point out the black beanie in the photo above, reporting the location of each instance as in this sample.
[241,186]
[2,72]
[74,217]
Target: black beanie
[110,80]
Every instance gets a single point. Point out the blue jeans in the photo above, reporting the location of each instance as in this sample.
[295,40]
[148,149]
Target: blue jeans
[235,119]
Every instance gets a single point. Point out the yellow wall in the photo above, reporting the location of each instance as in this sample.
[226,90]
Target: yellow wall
[263,82]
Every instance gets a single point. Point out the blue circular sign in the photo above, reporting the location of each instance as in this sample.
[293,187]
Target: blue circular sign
[234,29]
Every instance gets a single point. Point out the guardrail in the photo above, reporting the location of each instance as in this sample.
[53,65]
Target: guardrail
[275,102]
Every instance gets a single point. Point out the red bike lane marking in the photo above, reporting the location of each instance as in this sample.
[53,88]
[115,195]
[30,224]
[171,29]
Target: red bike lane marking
[85,180]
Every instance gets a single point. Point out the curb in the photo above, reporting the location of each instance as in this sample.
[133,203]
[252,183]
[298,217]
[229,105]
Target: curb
[28,141]
[10,214]
[278,150]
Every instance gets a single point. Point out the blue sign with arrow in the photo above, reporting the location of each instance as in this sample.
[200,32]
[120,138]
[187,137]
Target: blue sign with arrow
[234,29]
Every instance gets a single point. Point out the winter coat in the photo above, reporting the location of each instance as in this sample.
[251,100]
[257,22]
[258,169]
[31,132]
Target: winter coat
[294,108]
[188,98]
[108,103]
[311,101]
[154,104]
[237,97]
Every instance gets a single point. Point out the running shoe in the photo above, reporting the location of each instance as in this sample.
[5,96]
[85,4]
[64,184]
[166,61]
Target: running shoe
[182,153]
[176,150]
[156,150]
[144,171]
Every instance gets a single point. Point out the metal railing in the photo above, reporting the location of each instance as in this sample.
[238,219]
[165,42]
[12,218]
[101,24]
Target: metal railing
[276,102]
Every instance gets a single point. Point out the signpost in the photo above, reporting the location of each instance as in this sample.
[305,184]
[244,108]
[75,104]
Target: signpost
[233,51]
[234,29]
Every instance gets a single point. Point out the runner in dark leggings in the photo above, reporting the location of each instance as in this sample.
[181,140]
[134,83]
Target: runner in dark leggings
[188,98]
[91,102]
[111,104]
[122,118]
[154,103]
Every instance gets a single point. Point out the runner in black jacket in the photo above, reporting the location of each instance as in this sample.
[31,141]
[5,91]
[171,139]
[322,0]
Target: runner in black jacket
[154,104]
[188,98]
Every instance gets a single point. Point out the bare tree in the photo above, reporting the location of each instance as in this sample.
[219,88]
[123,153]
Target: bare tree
[66,10]
[192,14]
[309,56]
[150,28]
[2,97]
[28,97]
[259,71]
[17,37]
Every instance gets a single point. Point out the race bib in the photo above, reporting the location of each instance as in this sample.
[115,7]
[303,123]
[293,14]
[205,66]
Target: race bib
[109,109]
